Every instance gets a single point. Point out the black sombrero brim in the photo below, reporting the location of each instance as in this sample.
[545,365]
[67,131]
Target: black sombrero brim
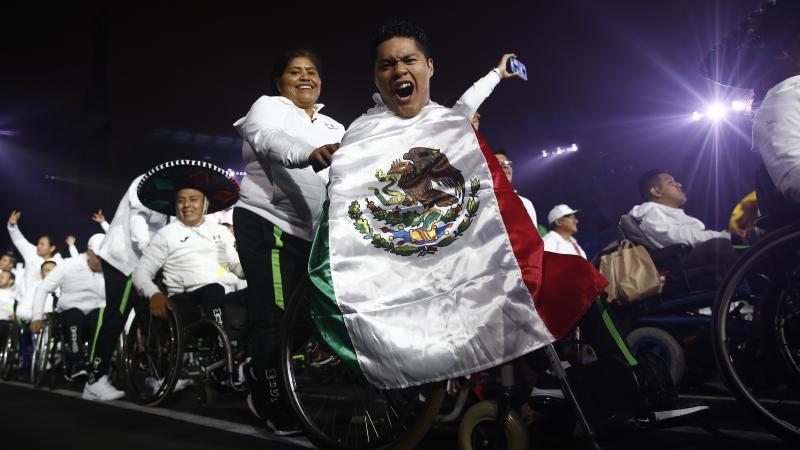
[159,185]
[739,59]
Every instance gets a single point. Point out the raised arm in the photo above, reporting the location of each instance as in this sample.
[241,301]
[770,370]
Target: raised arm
[73,251]
[100,218]
[25,248]
[473,97]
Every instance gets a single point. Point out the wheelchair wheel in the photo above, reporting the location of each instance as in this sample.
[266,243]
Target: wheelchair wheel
[335,408]
[153,356]
[9,352]
[479,425]
[660,343]
[755,334]
[42,360]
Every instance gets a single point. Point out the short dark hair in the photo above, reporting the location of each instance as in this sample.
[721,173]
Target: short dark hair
[501,151]
[52,243]
[647,181]
[49,261]
[10,254]
[402,28]
[283,62]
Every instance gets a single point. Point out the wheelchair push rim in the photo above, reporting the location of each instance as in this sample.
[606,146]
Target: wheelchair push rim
[152,357]
[337,409]
[749,331]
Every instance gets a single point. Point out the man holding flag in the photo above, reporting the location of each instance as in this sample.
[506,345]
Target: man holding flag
[424,252]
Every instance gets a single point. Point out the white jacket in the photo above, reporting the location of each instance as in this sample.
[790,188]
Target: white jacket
[131,229]
[33,262]
[80,288]
[25,302]
[473,97]
[7,299]
[667,226]
[279,185]
[555,243]
[191,257]
[776,135]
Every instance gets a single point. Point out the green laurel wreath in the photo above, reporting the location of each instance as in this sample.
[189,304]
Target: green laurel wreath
[409,219]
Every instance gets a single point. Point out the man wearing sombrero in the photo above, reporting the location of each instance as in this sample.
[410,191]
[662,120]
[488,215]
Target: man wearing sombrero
[195,254]
[763,54]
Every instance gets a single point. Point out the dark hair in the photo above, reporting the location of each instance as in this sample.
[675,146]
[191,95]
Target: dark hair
[52,243]
[647,181]
[282,63]
[10,254]
[501,151]
[402,28]
[49,261]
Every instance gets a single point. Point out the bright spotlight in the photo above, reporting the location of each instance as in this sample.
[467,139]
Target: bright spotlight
[697,116]
[716,112]
[573,148]
[544,153]
[738,105]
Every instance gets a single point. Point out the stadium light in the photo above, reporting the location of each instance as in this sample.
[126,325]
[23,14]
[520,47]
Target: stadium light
[560,150]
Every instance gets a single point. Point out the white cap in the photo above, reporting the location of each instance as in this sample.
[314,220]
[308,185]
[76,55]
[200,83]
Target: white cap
[95,241]
[558,212]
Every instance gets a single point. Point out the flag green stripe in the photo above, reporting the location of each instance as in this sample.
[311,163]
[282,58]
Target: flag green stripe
[277,281]
[324,310]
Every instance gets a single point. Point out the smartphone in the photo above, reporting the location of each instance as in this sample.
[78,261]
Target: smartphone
[518,67]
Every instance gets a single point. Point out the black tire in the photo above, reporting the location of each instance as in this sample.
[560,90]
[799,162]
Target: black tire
[479,423]
[9,352]
[153,357]
[339,410]
[662,344]
[42,353]
[776,259]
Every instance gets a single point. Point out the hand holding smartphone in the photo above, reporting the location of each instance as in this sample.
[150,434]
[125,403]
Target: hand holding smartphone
[517,67]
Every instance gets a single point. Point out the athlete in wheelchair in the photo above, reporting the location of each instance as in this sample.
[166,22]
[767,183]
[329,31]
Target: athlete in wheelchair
[426,267]
[756,338]
[185,334]
[79,285]
[10,331]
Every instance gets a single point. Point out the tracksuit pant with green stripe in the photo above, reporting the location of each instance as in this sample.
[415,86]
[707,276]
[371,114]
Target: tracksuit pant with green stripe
[273,263]
[74,327]
[120,298]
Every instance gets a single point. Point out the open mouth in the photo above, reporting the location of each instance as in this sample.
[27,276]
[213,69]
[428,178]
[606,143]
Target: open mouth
[404,90]
[305,87]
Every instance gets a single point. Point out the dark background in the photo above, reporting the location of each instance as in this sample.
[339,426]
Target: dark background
[93,94]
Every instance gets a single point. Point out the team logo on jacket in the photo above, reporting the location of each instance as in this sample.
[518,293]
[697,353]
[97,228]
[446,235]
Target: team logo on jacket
[419,207]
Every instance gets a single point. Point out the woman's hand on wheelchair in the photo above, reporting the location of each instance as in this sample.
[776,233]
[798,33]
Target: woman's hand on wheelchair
[158,305]
[36,325]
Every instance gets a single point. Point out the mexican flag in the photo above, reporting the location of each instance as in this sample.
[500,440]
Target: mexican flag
[425,262]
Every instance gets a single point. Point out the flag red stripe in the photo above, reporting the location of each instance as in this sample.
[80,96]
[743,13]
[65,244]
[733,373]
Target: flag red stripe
[562,286]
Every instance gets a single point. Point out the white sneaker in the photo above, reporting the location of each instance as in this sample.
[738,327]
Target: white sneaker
[155,384]
[101,390]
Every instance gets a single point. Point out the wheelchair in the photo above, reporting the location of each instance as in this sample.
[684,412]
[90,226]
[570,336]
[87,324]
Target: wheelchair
[50,354]
[756,338]
[676,324]
[10,356]
[338,409]
[189,345]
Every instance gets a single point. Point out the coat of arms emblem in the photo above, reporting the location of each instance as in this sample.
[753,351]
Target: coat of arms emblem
[421,205]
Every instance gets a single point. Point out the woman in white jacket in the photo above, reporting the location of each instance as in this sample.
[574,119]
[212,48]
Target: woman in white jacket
[285,135]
